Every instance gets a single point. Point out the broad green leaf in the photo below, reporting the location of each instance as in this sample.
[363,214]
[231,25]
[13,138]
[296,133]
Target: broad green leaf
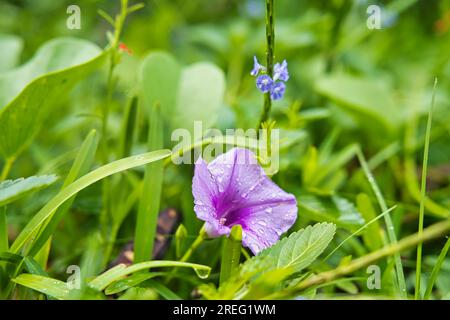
[120,271]
[298,250]
[200,96]
[160,76]
[11,190]
[28,92]
[301,248]
[368,101]
[11,48]
[45,285]
[80,184]
[193,93]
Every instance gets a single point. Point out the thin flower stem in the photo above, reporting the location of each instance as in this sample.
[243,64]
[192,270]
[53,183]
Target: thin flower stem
[270,38]
[202,235]
[6,168]
[197,242]
[118,26]
[423,190]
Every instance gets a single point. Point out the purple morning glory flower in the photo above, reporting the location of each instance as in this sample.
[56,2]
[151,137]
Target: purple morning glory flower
[277,91]
[264,83]
[257,68]
[234,189]
[281,71]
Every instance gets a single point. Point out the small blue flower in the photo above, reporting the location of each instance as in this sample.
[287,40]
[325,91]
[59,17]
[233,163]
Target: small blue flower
[281,71]
[277,91]
[264,83]
[257,68]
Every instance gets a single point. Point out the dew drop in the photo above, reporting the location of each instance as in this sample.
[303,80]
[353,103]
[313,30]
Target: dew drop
[202,273]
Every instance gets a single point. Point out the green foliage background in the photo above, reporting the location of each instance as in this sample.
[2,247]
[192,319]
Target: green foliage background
[351,88]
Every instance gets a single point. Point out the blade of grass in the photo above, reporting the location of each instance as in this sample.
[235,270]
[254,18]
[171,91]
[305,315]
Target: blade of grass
[131,281]
[387,219]
[423,190]
[80,184]
[147,218]
[45,285]
[120,271]
[81,165]
[165,292]
[128,128]
[373,238]
[436,269]
[358,231]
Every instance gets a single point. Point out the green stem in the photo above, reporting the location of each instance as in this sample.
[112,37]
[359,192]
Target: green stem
[118,26]
[231,254]
[423,189]
[429,233]
[6,168]
[201,236]
[270,39]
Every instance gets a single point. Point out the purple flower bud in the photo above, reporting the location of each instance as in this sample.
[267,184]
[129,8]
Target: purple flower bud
[234,190]
[281,71]
[264,83]
[277,91]
[257,68]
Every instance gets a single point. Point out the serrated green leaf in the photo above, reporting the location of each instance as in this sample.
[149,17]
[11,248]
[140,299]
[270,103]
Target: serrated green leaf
[11,190]
[300,249]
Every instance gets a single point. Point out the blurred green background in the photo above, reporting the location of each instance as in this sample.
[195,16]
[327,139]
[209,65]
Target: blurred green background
[349,84]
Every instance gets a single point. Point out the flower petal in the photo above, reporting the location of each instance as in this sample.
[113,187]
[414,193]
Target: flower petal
[234,189]
[277,91]
[264,83]
[204,191]
[252,200]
